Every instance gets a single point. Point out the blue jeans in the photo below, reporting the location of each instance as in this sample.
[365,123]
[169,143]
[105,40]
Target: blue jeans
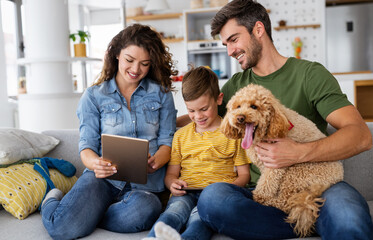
[230,210]
[94,202]
[182,212]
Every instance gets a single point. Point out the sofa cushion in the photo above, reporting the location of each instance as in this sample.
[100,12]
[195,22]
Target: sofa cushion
[16,144]
[22,188]
[68,149]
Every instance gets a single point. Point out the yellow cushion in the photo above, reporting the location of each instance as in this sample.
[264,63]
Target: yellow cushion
[22,188]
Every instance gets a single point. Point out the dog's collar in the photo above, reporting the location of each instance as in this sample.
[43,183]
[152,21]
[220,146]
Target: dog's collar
[291,125]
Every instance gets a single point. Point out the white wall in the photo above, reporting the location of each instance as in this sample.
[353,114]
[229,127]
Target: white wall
[6,111]
[298,13]
[350,51]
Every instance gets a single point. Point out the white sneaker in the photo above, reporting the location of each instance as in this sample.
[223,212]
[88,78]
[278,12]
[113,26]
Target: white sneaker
[165,232]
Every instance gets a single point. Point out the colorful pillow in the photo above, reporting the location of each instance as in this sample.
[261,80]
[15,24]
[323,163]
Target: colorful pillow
[16,144]
[22,188]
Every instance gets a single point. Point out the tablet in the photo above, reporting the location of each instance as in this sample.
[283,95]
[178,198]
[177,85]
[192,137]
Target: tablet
[129,155]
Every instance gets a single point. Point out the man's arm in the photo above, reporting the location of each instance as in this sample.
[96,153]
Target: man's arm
[182,120]
[351,138]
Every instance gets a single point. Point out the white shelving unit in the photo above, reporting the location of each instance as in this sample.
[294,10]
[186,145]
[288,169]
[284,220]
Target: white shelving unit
[82,61]
[84,69]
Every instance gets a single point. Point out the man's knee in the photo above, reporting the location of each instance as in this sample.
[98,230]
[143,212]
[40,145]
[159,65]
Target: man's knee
[345,212]
[211,199]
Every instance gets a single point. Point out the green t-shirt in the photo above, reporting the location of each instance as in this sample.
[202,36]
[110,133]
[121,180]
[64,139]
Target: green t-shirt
[304,86]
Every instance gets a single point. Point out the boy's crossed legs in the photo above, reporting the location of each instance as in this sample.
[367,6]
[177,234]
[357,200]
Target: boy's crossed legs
[180,211]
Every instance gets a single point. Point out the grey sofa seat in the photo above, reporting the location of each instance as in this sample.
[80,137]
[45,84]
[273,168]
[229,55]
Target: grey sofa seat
[358,173]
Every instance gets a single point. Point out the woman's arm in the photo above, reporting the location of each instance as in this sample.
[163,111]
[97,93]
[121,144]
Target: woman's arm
[95,163]
[243,173]
[159,159]
[167,127]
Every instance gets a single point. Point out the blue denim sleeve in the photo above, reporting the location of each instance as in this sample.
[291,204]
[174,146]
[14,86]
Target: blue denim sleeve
[167,121]
[89,118]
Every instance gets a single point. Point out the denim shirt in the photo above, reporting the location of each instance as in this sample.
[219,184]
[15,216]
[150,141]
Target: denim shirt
[103,109]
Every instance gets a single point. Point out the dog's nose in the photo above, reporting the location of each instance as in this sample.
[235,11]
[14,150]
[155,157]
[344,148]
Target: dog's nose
[240,118]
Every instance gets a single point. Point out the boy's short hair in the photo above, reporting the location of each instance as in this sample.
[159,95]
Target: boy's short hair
[199,81]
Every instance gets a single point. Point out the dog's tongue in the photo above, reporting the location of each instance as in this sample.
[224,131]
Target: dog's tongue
[248,138]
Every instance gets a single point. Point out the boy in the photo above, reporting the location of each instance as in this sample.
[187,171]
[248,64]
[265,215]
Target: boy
[201,155]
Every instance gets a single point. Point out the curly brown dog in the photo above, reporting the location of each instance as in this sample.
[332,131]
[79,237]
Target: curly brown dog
[254,114]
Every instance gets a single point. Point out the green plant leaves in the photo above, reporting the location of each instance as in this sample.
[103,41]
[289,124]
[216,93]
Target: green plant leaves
[83,35]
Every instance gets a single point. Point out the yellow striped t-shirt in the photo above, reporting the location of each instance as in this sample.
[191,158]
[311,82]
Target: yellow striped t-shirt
[207,157]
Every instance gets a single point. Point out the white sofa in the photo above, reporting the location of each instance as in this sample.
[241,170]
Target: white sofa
[358,172]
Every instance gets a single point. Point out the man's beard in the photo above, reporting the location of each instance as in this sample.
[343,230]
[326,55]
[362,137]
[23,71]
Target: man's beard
[255,53]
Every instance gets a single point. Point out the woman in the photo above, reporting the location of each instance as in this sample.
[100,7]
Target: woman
[131,98]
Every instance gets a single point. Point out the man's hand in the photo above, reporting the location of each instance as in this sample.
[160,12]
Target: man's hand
[352,137]
[282,152]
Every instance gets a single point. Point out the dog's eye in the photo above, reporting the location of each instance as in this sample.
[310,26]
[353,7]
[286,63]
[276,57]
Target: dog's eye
[253,106]
[239,106]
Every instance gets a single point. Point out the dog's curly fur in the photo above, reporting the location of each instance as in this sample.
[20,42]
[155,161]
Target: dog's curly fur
[296,190]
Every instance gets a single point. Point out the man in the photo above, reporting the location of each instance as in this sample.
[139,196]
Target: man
[308,88]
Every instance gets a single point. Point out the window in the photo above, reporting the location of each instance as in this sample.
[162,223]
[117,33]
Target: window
[15,74]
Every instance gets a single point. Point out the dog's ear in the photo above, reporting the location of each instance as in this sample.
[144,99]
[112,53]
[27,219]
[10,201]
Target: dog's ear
[228,130]
[279,124]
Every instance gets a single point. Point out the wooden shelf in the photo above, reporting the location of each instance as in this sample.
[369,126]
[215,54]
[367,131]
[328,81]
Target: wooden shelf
[297,26]
[356,72]
[172,40]
[364,98]
[341,2]
[154,17]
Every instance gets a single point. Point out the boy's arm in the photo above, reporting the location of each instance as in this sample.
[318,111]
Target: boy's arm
[243,173]
[172,181]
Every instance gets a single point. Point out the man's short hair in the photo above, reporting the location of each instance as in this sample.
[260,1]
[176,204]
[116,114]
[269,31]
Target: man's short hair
[246,13]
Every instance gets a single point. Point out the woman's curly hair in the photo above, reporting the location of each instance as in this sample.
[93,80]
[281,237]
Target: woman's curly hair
[161,64]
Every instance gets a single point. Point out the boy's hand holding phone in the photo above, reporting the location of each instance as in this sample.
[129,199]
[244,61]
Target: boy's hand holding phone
[177,186]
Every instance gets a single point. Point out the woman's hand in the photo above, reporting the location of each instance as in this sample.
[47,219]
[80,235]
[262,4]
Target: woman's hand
[92,161]
[103,168]
[151,164]
[159,159]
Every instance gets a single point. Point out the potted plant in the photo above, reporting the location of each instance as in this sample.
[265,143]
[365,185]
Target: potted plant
[80,48]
